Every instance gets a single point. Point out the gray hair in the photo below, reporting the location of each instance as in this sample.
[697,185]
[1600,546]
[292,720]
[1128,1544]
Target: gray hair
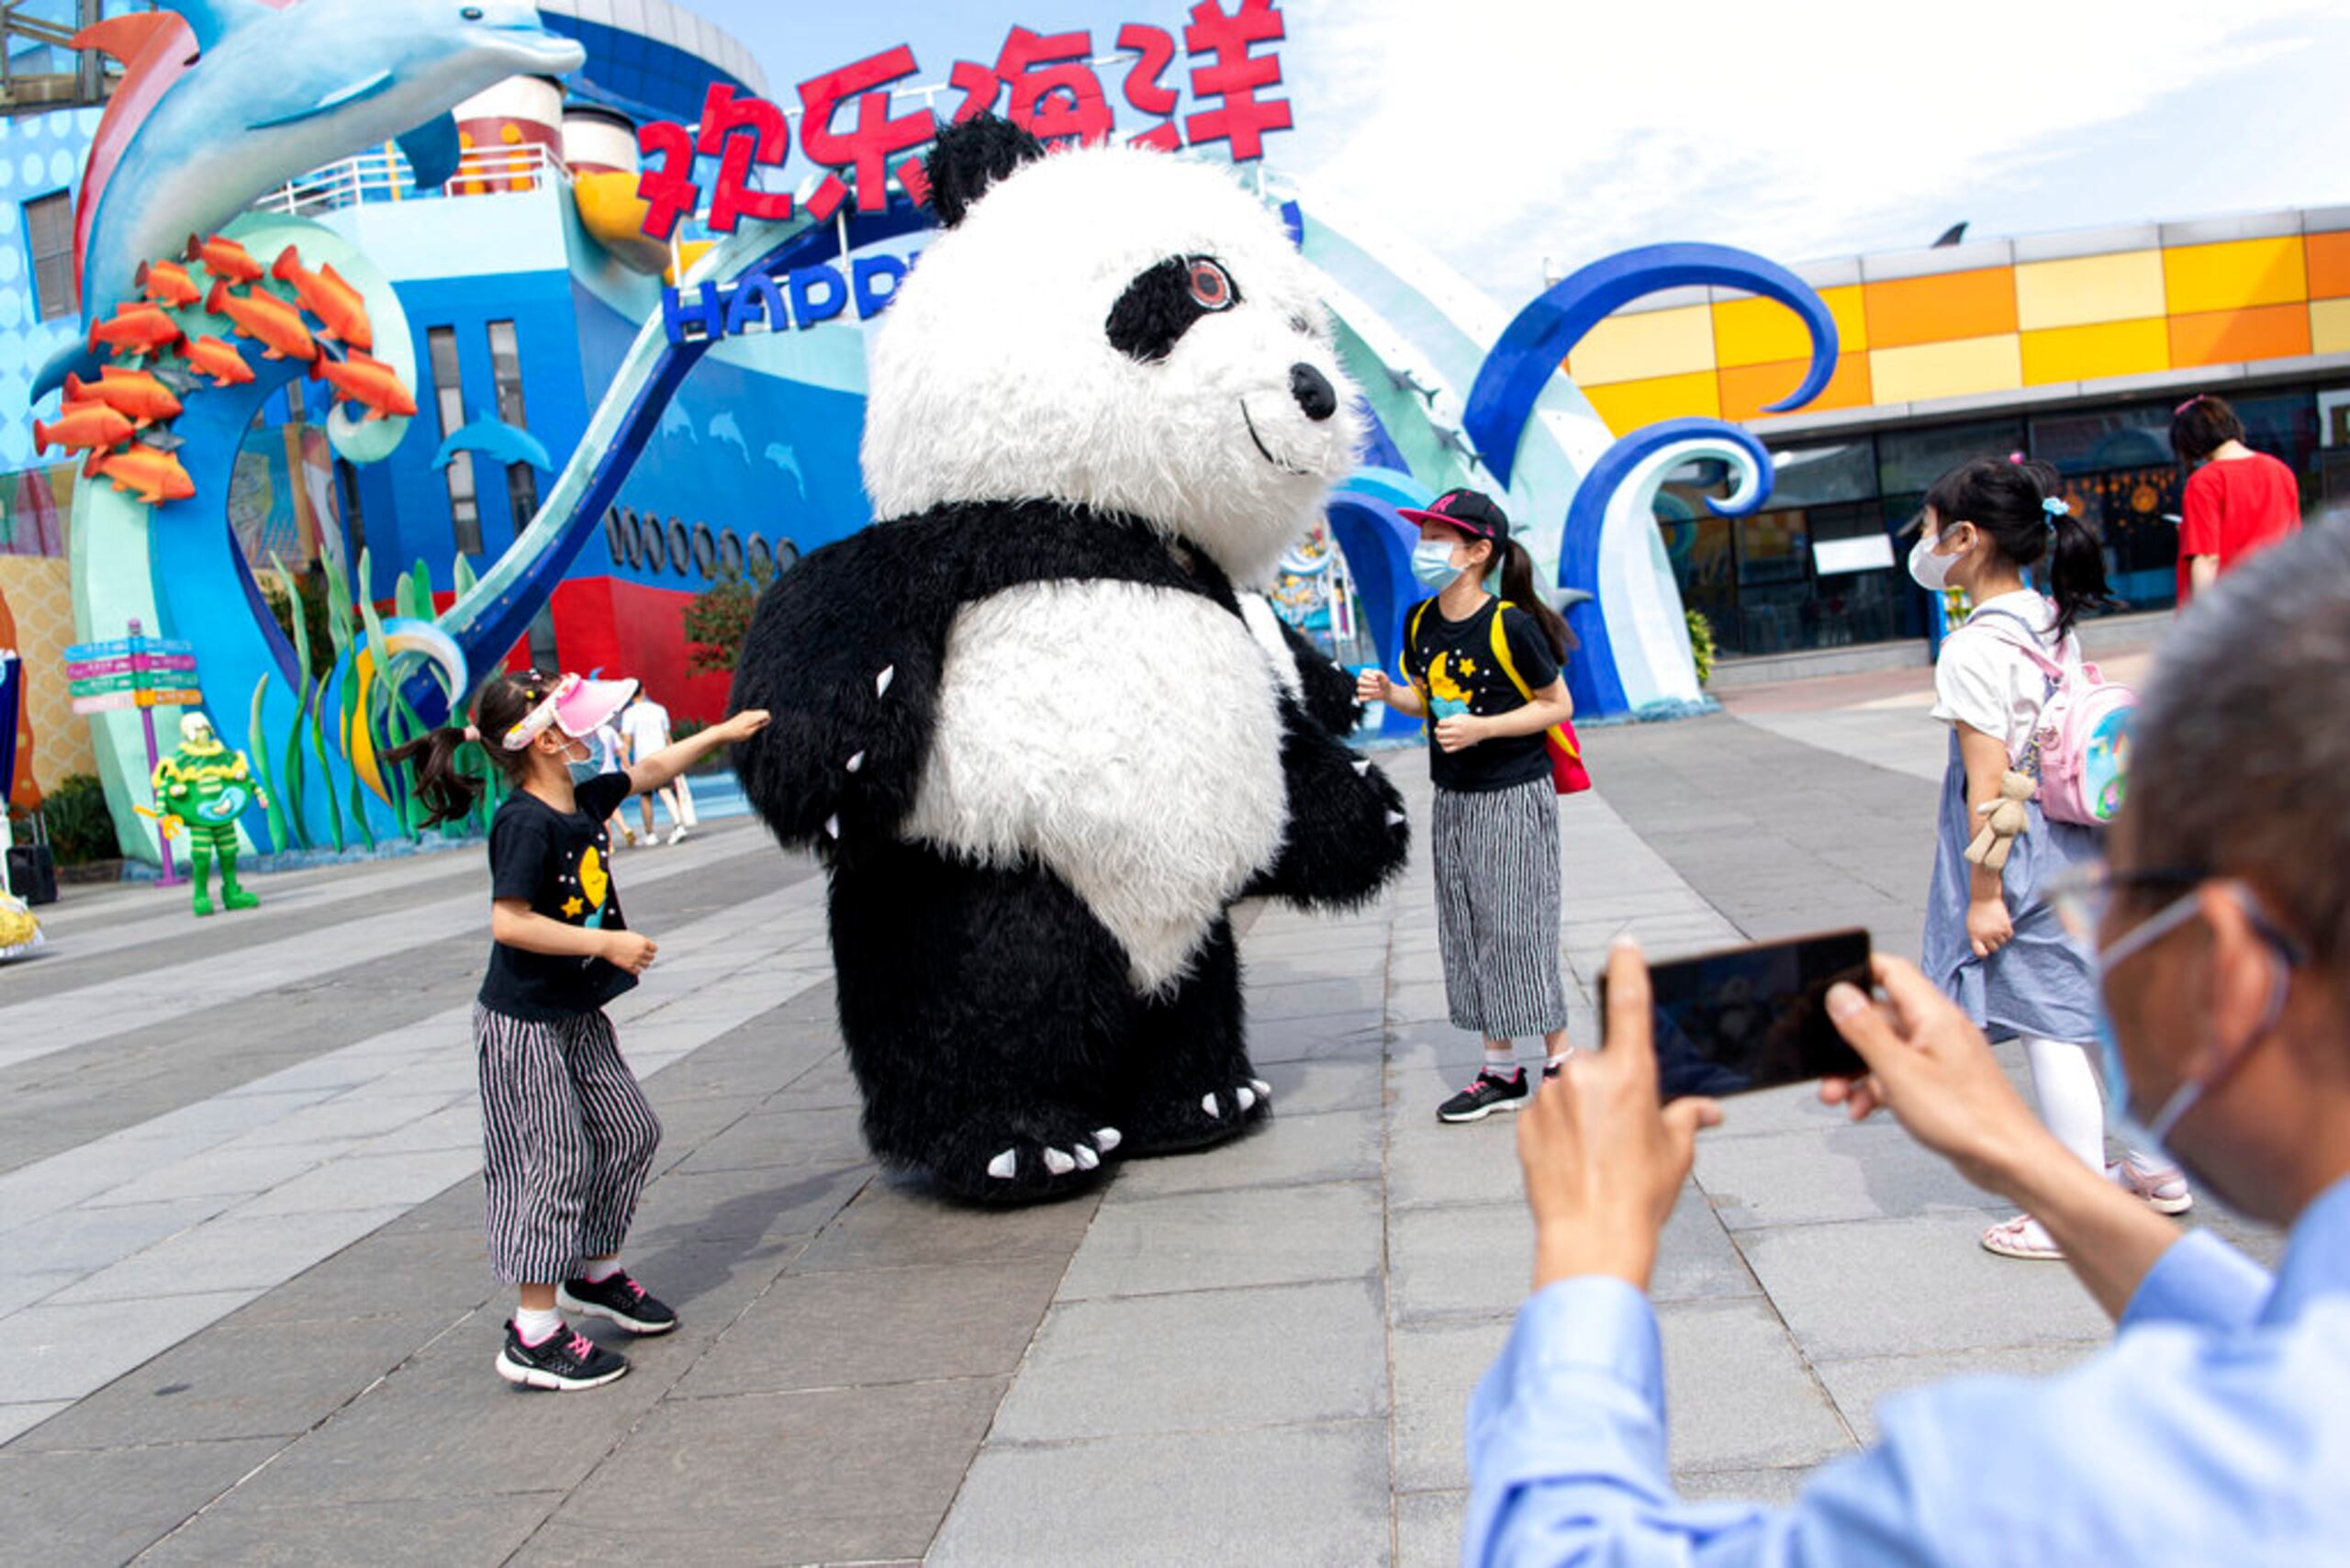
[2242,741]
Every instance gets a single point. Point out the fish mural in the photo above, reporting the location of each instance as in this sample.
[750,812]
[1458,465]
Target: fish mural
[224,99]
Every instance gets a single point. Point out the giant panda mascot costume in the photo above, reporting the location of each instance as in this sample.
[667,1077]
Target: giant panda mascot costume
[1041,735]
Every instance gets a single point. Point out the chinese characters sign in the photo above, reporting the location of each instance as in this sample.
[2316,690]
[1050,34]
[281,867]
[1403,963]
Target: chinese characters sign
[1046,81]
[132,672]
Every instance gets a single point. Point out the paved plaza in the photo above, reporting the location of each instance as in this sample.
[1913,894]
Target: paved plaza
[247,1317]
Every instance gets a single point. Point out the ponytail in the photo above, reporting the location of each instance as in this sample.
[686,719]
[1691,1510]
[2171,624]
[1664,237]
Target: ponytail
[448,792]
[1517,587]
[2015,502]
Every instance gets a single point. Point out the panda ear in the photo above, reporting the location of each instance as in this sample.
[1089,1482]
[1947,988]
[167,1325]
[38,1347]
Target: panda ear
[967,158]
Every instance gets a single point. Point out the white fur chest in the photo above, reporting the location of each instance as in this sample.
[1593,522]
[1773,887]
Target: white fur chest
[1128,736]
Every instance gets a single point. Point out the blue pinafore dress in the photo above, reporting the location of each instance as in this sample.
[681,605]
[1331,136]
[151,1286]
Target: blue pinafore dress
[2041,983]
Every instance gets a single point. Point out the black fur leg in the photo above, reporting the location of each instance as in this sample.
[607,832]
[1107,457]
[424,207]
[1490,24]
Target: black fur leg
[1184,1080]
[976,1006]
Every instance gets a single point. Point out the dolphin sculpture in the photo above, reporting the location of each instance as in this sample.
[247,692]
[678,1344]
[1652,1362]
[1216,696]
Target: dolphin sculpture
[495,438]
[226,100]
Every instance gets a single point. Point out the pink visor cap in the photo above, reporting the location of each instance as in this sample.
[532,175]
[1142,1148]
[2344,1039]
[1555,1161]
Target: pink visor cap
[579,708]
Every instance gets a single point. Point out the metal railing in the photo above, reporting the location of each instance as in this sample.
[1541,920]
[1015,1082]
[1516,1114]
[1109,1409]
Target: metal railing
[384,175]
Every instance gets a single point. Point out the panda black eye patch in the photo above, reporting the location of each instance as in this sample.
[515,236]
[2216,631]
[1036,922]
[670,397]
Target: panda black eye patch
[1159,306]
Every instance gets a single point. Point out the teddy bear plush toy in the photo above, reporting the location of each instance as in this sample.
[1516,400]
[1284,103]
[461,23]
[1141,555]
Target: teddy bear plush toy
[1034,719]
[2004,821]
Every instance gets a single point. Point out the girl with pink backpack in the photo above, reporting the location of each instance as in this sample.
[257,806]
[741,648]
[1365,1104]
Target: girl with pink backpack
[2012,686]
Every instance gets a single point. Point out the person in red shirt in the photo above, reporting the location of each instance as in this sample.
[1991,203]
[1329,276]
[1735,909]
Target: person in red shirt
[2238,501]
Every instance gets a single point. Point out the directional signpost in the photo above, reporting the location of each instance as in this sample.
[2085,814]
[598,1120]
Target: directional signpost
[145,673]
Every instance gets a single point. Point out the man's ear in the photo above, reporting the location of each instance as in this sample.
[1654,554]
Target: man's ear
[2244,970]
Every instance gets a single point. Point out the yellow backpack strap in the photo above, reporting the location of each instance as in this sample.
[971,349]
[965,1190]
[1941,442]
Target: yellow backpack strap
[1501,652]
[1411,645]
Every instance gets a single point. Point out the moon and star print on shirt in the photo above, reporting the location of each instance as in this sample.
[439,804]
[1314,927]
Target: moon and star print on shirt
[560,864]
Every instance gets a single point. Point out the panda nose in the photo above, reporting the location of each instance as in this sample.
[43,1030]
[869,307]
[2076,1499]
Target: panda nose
[1313,391]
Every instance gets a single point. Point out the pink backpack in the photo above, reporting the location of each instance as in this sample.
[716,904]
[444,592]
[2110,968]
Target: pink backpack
[2080,750]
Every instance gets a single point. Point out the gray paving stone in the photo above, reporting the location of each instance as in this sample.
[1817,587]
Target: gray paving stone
[1768,1488]
[1859,1387]
[1341,1036]
[1737,1395]
[764,1139]
[109,1505]
[896,1223]
[1284,1495]
[1214,1241]
[64,1352]
[1437,1367]
[240,1380]
[806,1477]
[1321,997]
[221,1172]
[366,1184]
[89,1241]
[1198,1361]
[748,1202]
[386,1274]
[1311,1088]
[1478,1260]
[232,1252]
[1285,1150]
[1427,1528]
[1428,1162]
[1907,1286]
[18,1419]
[1830,1174]
[880,1326]
[433,1533]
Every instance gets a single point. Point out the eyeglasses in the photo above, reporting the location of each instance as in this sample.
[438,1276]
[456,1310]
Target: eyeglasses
[2084,896]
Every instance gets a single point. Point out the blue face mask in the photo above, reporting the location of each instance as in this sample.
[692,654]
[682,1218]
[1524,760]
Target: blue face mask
[1432,563]
[587,767]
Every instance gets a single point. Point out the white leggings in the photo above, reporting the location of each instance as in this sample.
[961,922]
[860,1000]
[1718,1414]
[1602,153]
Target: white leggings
[2071,1103]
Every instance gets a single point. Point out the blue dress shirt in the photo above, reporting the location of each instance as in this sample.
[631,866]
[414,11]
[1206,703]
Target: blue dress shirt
[2214,1430]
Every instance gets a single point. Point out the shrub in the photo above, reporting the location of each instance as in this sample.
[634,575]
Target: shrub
[1701,645]
[75,818]
[719,617]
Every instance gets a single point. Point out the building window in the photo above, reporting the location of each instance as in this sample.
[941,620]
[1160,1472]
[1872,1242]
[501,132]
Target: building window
[543,656]
[705,551]
[615,536]
[649,530]
[449,400]
[762,559]
[730,553]
[355,522]
[786,556]
[48,232]
[680,548]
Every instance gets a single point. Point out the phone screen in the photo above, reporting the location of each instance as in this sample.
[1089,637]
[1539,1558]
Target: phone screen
[1753,1017]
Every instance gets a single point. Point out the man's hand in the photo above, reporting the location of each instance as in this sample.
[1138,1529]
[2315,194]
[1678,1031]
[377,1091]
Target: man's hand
[1461,731]
[1932,1068]
[1989,926]
[1604,1162]
[744,725]
[629,951]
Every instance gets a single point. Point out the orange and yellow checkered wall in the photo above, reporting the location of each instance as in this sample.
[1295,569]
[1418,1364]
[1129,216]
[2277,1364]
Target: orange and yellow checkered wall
[1984,329]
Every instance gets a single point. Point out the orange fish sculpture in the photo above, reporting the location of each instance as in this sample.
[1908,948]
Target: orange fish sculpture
[136,395]
[82,427]
[135,329]
[167,283]
[219,359]
[224,259]
[360,379]
[328,296]
[152,476]
[265,319]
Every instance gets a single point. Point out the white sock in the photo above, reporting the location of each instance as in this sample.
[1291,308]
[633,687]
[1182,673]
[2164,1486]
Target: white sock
[1564,1052]
[2070,1101]
[596,1274]
[536,1327]
[1501,1060]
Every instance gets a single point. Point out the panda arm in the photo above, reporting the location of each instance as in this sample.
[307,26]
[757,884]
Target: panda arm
[1328,690]
[844,650]
[1346,834]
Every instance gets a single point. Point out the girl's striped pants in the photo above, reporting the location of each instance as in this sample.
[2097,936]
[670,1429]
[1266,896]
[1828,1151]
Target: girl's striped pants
[568,1142]
[1497,853]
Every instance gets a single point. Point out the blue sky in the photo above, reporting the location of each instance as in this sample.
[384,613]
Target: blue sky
[1509,132]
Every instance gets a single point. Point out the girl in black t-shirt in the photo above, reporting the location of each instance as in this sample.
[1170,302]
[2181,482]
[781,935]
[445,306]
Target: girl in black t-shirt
[1486,671]
[567,1134]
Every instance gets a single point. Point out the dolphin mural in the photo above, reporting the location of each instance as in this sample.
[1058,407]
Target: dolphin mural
[723,428]
[788,461]
[225,99]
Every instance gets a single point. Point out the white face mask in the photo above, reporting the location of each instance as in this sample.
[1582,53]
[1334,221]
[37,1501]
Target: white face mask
[1927,570]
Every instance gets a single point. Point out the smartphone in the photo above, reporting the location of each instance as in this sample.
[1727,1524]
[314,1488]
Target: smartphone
[1753,1017]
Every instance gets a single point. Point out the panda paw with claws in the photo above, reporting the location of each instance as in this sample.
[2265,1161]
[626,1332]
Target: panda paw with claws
[1206,1119]
[1025,1162]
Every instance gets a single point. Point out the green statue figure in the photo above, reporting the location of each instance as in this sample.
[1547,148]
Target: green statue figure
[200,790]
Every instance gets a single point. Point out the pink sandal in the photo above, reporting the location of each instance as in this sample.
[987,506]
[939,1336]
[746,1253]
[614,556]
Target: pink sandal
[2022,1237]
[2162,1186]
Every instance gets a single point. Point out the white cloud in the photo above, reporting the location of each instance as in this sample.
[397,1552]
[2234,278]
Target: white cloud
[1506,133]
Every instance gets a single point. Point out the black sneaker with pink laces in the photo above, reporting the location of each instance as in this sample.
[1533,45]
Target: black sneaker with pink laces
[619,1298]
[1490,1091]
[564,1360]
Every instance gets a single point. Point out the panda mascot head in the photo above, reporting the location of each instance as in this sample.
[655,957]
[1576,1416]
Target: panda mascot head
[1116,328]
